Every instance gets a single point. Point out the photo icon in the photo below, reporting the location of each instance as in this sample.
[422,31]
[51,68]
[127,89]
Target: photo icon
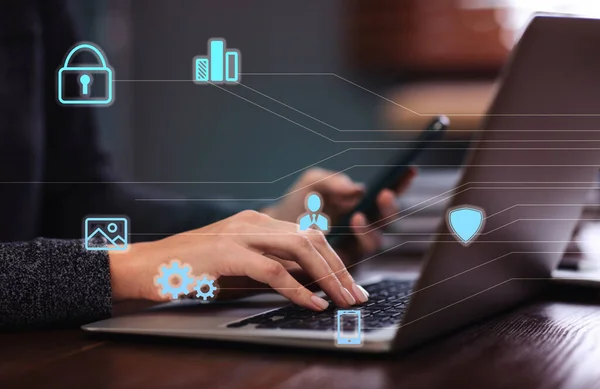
[106,233]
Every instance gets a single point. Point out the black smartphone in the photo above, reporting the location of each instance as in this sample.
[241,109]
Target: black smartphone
[387,179]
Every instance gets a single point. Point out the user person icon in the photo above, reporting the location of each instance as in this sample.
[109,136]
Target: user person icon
[314,203]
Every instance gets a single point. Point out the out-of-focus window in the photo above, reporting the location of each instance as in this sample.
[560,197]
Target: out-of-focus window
[513,15]
[409,37]
[444,36]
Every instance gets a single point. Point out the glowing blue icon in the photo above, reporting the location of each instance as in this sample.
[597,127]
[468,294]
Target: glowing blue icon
[106,233]
[174,279]
[466,222]
[99,75]
[221,66]
[349,327]
[314,203]
[205,288]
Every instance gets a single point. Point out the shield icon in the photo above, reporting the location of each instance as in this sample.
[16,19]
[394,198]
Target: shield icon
[465,222]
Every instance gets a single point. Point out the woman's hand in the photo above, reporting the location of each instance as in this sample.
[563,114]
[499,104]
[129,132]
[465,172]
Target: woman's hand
[248,244]
[340,194]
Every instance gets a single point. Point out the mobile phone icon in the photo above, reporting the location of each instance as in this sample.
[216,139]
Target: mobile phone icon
[349,327]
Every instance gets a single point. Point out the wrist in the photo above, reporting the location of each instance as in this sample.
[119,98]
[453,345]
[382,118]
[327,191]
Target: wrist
[127,274]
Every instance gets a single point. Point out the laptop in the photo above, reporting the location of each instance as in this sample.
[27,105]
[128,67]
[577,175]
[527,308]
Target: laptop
[534,163]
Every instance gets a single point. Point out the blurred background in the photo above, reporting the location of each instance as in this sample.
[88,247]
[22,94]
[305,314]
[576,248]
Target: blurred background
[320,81]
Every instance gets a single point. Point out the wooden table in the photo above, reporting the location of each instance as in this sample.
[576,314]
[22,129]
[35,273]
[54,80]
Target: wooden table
[550,343]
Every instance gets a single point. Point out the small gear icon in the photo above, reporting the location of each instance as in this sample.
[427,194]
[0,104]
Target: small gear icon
[174,279]
[211,288]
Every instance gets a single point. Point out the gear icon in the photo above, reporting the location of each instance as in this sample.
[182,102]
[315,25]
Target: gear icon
[211,288]
[174,279]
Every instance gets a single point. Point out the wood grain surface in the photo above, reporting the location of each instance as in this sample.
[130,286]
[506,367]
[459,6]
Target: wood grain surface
[551,343]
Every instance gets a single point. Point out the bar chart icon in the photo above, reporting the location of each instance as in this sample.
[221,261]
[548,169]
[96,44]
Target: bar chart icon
[220,66]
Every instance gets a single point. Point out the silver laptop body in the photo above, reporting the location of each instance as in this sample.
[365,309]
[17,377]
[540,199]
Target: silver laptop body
[531,170]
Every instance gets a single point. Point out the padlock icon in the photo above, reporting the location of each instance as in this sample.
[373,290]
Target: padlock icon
[94,81]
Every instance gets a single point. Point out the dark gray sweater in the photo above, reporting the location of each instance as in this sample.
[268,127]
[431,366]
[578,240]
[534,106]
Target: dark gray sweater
[52,175]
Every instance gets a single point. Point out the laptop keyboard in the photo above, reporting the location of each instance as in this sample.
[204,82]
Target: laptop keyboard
[387,303]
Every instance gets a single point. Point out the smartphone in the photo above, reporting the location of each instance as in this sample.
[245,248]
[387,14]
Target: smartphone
[349,327]
[388,178]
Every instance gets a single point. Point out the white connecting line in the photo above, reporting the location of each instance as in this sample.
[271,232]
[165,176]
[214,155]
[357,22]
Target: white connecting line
[460,114]
[367,141]
[332,140]
[453,192]
[400,141]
